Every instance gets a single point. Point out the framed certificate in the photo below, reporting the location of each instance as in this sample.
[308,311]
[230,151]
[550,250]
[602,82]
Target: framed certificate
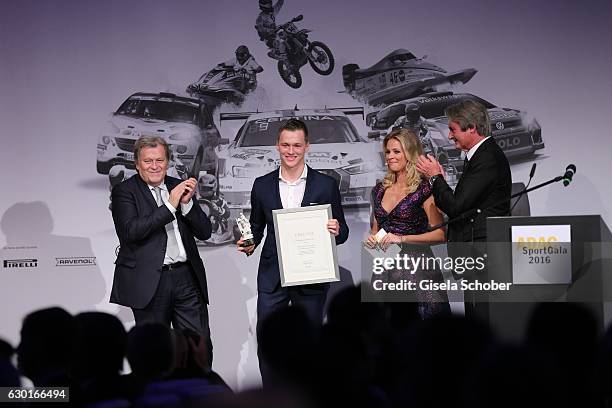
[306,249]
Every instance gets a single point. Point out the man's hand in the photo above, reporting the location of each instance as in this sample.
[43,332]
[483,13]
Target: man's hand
[429,166]
[190,188]
[248,250]
[333,226]
[182,193]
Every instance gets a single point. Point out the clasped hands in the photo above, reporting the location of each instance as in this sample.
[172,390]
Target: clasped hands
[429,166]
[182,193]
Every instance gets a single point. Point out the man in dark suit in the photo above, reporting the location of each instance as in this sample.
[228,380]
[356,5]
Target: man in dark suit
[292,185]
[485,184]
[158,271]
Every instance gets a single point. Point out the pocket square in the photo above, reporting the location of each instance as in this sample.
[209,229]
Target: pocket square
[314,203]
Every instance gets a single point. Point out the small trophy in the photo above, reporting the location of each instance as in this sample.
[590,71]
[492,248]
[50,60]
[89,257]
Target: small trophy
[245,230]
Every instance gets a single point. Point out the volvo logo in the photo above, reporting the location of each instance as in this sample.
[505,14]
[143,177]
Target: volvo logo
[499,125]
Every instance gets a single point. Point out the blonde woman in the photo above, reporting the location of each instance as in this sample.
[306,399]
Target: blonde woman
[404,207]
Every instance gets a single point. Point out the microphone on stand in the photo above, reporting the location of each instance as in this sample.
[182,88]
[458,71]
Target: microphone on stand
[531,173]
[570,170]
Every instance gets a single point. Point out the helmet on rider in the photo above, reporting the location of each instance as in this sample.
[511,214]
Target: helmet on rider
[242,54]
[266,5]
[413,114]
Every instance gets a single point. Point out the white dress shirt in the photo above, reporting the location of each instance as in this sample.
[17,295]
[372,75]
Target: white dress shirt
[185,208]
[292,192]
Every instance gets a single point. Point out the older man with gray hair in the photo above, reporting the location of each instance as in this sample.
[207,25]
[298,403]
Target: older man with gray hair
[158,271]
[486,184]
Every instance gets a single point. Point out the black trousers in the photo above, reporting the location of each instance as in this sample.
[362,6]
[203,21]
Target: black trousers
[177,303]
[312,301]
[477,303]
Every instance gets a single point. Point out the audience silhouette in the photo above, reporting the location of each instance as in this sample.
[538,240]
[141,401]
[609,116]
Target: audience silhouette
[367,354]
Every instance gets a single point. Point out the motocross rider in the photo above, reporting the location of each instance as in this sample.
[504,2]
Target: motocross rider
[243,63]
[266,28]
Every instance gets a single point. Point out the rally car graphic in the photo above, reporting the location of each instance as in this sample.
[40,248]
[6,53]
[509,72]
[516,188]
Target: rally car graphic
[336,149]
[185,123]
[515,131]
[399,75]
[187,126]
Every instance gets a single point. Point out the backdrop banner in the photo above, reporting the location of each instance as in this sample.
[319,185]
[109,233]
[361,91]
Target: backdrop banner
[81,81]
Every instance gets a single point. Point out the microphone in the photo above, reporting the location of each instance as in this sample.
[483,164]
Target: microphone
[570,170]
[532,172]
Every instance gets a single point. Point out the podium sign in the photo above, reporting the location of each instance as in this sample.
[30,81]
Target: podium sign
[541,254]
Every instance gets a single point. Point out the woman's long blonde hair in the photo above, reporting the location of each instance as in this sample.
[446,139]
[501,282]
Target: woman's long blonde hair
[412,147]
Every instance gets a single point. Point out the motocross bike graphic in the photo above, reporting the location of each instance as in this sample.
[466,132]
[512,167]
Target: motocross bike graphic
[223,85]
[300,51]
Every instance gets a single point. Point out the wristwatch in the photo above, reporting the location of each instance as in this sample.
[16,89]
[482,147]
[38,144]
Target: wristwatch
[433,179]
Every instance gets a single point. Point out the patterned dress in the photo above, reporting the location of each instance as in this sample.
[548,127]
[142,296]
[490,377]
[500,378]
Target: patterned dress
[409,218]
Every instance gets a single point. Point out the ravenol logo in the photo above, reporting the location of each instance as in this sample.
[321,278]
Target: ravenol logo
[76,261]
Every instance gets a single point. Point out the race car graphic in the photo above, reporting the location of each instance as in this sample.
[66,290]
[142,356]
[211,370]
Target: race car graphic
[336,149]
[185,123]
[516,133]
[187,126]
[399,75]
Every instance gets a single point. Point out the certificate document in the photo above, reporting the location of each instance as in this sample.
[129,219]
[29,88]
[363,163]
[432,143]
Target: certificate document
[306,249]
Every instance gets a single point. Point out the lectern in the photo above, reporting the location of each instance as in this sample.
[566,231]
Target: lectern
[547,259]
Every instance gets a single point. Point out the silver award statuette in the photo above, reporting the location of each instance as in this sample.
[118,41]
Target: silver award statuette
[245,230]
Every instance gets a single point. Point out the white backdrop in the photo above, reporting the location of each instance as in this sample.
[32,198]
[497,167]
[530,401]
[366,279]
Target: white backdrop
[65,65]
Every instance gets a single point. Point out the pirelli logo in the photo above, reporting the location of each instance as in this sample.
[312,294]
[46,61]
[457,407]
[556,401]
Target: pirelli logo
[76,261]
[21,263]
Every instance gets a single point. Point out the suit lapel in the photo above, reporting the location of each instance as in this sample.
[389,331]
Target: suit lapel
[308,189]
[145,191]
[276,190]
[170,183]
[470,163]
[484,146]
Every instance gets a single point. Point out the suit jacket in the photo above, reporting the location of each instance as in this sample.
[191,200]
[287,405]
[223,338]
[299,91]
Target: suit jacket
[265,197]
[140,226]
[486,180]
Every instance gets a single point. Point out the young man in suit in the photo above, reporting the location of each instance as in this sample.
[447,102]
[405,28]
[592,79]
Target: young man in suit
[485,184]
[158,271]
[292,185]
